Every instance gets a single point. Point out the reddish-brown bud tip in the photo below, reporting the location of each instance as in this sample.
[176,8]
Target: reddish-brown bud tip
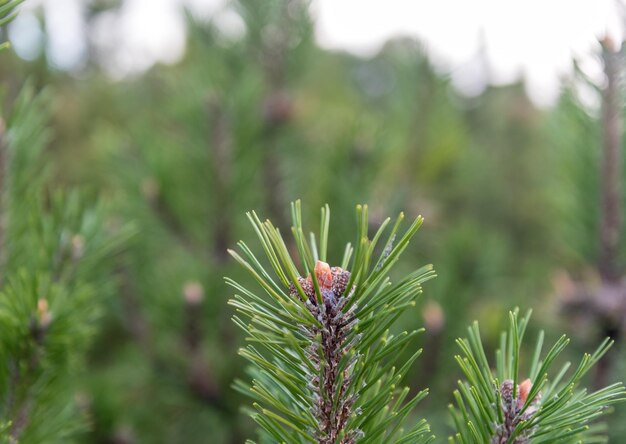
[324,275]
[524,390]
[45,317]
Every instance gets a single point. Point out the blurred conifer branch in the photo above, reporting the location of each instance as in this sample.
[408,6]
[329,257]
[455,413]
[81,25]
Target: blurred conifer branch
[56,268]
[611,174]
[8,11]
[507,406]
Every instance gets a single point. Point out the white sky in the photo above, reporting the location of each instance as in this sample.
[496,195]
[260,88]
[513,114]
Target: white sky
[533,38]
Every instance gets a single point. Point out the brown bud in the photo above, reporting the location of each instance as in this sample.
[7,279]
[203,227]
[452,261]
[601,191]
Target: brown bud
[43,314]
[193,292]
[278,108]
[433,316]
[609,43]
[506,391]
[307,287]
[340,280]
[324,275]
[524,390]
[78,246]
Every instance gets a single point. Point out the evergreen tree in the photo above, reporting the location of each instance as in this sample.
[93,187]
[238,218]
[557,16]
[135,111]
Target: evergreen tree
[322,348]
[250,122]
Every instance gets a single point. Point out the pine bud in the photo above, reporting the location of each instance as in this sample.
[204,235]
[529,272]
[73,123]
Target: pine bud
[340,280]
[78,246]
[524,390]
[193,292]
[506,392]
[332,281]
[324,275]
[433,317]
[43,315]
[278,108]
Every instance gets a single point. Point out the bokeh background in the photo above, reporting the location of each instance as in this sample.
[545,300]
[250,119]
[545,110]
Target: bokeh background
[487,117]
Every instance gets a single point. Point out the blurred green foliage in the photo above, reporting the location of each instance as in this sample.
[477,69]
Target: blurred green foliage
[509,193]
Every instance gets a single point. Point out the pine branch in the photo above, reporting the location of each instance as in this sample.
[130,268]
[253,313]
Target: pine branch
[322,353]
[58,250]
[499,409]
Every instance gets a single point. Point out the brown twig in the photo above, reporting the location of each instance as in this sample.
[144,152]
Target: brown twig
[20,409]
[277,112]
[612,292]
[134,319]
[3,201]
[220,151]
[200,377]
[611,169]
[200,380]
[333,404]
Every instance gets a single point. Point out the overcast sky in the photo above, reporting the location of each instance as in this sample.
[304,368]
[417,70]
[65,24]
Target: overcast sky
[533,38]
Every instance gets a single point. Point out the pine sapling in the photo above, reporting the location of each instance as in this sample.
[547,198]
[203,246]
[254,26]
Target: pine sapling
[321,347]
